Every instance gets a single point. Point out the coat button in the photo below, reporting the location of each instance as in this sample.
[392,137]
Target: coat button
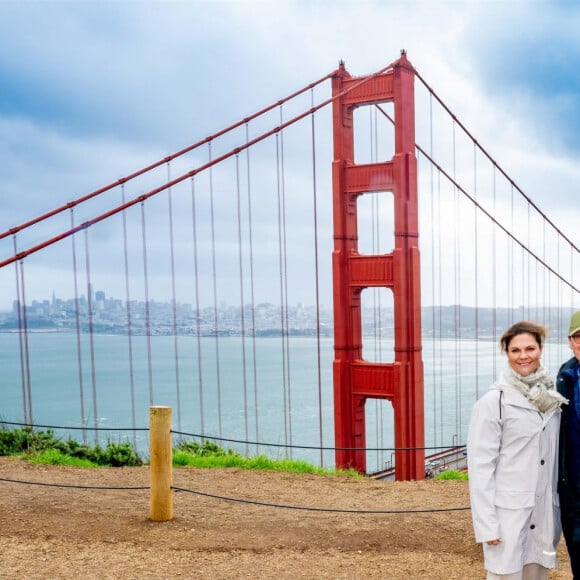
[532,526]
[542,462]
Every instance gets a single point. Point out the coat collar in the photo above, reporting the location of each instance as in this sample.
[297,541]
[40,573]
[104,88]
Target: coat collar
[567,377]
[514,397]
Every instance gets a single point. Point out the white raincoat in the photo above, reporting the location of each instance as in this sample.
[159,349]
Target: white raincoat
[512,465]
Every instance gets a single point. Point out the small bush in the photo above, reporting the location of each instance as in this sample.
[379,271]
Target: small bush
[26,440]
[204,449]
[44,447]
[453,474]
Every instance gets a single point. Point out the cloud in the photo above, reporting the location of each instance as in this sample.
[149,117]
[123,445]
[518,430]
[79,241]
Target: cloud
[525,62]
[93,91]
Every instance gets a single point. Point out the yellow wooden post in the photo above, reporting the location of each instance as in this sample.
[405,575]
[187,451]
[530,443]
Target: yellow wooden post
[160,464]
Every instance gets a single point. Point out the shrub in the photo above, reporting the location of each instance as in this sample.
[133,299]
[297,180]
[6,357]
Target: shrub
[452,474]
[26,440]
[204,449]
[33,443]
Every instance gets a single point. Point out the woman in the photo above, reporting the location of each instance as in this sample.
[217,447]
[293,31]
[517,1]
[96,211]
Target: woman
[512,448]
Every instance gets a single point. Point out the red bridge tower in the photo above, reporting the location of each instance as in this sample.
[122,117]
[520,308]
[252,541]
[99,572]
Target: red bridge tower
[356,380]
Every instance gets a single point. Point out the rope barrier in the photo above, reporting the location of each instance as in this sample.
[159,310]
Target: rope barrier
[236,500]
[317,509]
[72,485]
[160,487]
[243,441]
[315,447]
[2,422]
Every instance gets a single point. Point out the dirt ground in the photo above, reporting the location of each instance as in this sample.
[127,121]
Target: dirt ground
[49,532]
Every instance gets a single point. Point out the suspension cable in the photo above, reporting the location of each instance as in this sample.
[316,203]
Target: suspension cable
[283,330]
[241,287]
[494,163]
[285,276]
[171,157]
[197,305]
[147,303]
[91,333]
[252,294]
[214,161]
[215,291]
[129,318]
[476,276]
[316,279]
[174,297]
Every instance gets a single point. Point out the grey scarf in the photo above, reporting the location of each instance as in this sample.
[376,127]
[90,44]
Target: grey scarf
[537,387]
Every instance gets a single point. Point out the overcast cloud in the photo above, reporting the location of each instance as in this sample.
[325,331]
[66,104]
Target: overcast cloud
[93,90]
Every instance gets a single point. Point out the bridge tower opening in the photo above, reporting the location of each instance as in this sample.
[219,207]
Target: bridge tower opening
[356,380]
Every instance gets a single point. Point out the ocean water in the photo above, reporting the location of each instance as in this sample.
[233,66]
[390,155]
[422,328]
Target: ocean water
[263,396]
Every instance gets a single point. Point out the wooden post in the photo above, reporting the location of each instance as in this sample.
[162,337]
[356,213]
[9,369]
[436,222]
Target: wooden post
[160,464]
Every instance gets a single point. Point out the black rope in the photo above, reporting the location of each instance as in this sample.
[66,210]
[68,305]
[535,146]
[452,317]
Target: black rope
[2,422]
[71,485]
[241,441]
[317,509]
[236,500]
[456,448]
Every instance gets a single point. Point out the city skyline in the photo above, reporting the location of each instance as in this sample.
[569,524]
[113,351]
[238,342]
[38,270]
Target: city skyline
[110,314]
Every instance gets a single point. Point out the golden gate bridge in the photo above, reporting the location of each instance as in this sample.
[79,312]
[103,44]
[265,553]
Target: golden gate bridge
[350,247]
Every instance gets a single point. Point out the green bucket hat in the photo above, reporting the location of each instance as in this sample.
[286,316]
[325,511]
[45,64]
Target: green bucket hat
[574,323]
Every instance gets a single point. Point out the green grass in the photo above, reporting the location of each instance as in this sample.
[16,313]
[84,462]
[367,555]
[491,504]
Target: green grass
[39,446]
[211,455]
[453,474]
[56,457]
[260,462]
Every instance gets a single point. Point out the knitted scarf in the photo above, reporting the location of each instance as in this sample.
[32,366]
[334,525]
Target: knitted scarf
[537,387]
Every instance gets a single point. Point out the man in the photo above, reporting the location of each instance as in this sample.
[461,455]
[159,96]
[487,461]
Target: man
[568,384]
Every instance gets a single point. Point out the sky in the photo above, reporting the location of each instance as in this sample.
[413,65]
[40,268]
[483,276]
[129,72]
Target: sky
[93,90]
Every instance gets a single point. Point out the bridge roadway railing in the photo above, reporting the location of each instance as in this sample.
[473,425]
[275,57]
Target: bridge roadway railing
[436,463]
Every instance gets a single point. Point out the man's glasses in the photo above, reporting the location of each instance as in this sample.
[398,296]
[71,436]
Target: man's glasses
[576,338]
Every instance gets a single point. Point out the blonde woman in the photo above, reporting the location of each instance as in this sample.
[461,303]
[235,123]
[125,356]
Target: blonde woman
[512,451]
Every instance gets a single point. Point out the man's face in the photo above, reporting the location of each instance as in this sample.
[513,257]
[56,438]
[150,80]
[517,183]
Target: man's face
[574,341]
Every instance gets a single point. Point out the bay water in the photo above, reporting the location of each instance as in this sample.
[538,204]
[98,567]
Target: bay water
[268,395]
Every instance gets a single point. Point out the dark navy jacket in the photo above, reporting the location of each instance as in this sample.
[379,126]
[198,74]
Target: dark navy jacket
[569,451]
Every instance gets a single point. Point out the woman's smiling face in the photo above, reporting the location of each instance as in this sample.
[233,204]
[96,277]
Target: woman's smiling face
[524,354]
